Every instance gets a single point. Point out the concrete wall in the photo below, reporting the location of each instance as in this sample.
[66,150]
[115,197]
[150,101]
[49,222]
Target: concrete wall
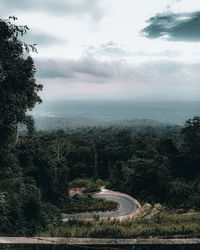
[37,243]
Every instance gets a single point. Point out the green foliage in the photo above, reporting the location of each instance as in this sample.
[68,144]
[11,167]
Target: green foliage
[191,136]
[148,166]
[164,224]
[49,172]
[24,213]
[87,185]
[86,203]
[18,86]
[28,176]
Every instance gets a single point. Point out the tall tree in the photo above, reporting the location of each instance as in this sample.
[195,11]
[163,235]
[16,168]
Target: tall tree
[18,87]
[191,136]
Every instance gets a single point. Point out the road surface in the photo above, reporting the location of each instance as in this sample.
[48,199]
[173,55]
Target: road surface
[127,206]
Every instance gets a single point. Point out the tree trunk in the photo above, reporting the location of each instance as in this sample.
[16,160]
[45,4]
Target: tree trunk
[95,161]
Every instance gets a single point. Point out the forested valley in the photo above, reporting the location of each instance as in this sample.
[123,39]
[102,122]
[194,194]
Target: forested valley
[153,165]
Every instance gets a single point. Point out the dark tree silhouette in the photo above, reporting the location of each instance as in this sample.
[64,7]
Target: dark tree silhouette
[191,136]
[18,87]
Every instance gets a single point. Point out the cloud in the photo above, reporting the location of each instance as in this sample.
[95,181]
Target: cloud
[54,7]
[42,39]
[174,27]
[166,53]
[114,50]
[110,49]
[151,73]
[89,78]
[86,70]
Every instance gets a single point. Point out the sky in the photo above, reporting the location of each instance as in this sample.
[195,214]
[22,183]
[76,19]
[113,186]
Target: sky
[113,49]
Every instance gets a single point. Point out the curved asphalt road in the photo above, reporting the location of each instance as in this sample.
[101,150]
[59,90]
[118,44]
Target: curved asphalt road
[127,206]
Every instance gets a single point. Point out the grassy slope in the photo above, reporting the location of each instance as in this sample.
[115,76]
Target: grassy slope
[162,225]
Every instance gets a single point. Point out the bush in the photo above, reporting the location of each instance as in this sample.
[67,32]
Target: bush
[88,185]
[164,225]
[86,203]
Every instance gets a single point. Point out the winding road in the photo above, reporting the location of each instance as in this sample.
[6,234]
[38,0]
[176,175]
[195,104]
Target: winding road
[128,206]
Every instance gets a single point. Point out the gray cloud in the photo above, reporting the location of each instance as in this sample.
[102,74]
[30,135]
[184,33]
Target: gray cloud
[42,39]
[112,49]
[108,49]
[85,70]
[166,53]
[175,27]
[61,7]
[162,73]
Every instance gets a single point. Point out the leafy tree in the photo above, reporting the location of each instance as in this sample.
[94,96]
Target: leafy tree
[61,147]
[137,176]
[116,174]
[18,87]
[178,192]
[166,147]
[191,136]
[23,212]
[23,209]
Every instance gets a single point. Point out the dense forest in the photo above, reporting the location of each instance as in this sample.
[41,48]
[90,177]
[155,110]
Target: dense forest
[152,163]
[147,164]
[36,171]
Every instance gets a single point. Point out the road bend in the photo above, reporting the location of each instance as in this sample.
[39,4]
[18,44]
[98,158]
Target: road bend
[127,206]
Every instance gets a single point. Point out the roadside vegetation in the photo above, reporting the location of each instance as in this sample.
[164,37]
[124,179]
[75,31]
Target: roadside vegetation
[86,203]
[86,185]
[165,225]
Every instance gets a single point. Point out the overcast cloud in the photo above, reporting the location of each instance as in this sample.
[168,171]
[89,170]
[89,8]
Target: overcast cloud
[43,39]
[90,70]
[54,7]
[176,78]
[113,49]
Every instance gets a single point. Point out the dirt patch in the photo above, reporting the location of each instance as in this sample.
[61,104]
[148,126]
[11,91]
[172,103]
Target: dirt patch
[74,191]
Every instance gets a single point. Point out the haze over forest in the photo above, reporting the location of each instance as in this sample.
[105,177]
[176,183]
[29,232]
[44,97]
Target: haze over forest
[66,114]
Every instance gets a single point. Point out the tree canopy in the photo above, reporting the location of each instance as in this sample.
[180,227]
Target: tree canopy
[18,87]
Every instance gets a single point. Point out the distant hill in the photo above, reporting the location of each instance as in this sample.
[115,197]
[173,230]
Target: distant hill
[74,114]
